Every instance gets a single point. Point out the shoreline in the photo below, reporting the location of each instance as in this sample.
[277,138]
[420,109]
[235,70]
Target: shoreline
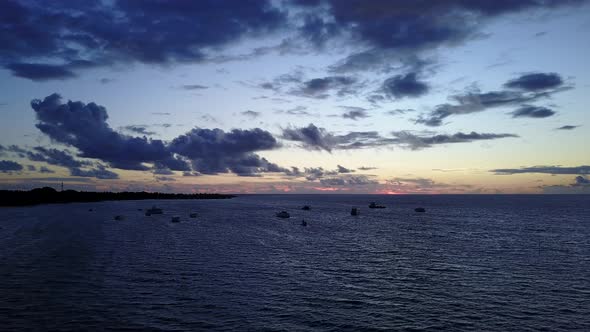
[47,195]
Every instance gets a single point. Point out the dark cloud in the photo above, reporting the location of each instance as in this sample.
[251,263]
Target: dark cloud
[100,172]
[555,170]
[9,166]
[399,111]
[316,138]
[165,178]
[206,151]
[251,114]
[530,111]
[366,168]
[40,72]
[388,30]
[138,129]
[354,113]
[321,87]
[213,151]
[349,180]
[535,82]
[320,139]
[415,142]
[581,181]
[477,101]
[194,87]
[84,126]
[104,33]
[408,85]
[44,169]
[567,127]
[55,157]
[342,169]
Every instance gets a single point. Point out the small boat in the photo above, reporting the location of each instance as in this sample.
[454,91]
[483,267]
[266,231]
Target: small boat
[303,223]
[153,210]
[283,214]
[119,218]
[355,212]
[175,219]
[420,209]
[374,205]
[193,215]
[139,209]
[90,210]
[306,208]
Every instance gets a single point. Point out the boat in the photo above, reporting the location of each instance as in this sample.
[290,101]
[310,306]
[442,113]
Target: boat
[306,208]
[374,205]
[119,217]
[175,219]
[193,215]
[355,212]
[303,223]
[420,209]
[153,210]
[283,214]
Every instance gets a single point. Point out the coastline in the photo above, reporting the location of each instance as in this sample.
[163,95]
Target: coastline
[49,195]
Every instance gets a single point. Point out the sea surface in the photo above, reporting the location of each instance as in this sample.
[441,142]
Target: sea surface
[495,263]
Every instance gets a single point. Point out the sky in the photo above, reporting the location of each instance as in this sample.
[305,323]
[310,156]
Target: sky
[296,96]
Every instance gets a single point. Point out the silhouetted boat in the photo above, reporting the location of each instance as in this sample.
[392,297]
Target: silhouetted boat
[303,223]
[153,210]
[193,215]
[175,219]
[373,205]
[420,209]
[119,217]
[283,214]
[355,212]
[306,208]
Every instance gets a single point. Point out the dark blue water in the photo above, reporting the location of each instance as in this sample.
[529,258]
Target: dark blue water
[469,263]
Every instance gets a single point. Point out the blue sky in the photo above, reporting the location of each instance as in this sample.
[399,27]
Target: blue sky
[444,97]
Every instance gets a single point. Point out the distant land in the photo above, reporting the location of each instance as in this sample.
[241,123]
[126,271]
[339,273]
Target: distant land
[48,195]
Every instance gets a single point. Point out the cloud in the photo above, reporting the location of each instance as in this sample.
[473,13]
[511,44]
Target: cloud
[55,157]
[9,166]
[320,139]
[354,113]
[415,142]
[194,87]
[100,172]
[251,114]
[366,168]
[206,151]
[44,169]
[138,129]
[408,85]
[477,101]
[555,170]
[422,185]
[530,111]
[349,180]
[535,82]
[84,127]
[213,151]
[106,33]
[342,169]
[581,181]
[320,87]
[40,72]
[567,127]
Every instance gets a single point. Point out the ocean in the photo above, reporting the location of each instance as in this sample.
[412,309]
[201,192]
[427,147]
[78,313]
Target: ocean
[471,262]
